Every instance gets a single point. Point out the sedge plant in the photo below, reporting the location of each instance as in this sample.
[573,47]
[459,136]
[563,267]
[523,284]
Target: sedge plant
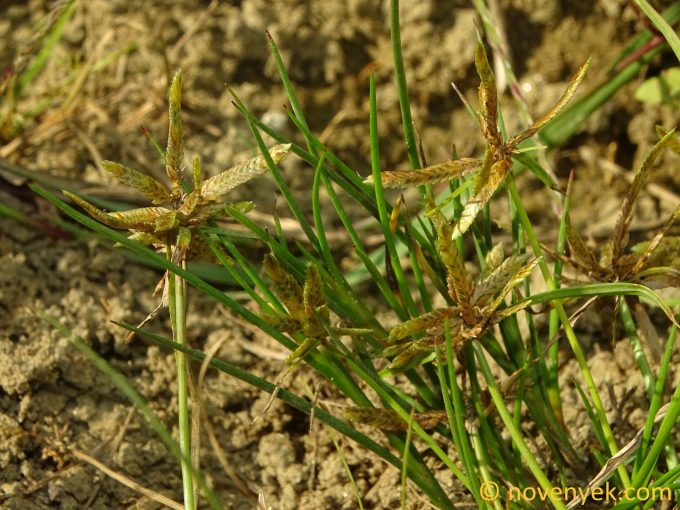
[173,226]
[421,380]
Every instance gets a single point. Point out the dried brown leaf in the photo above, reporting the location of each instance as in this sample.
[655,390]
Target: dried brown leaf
[394,215]
[666,254]
[619,459]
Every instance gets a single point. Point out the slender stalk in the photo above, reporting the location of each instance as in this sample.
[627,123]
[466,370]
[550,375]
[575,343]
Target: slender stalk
[407,121]
[568,330]
[515,434]
[177,307]
[554,394]
[136,399]
[657,397]
[636,344]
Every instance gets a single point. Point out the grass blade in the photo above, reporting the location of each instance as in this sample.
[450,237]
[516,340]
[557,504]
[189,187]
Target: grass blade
[662,26]
[406,119]
[121,383]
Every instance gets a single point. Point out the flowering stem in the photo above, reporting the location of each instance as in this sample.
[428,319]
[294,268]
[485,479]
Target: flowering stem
[177,307]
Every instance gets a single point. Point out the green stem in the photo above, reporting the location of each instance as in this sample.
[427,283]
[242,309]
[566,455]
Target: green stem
[177,306]
[515,434]
[407,121]
[636,344]
[568,330]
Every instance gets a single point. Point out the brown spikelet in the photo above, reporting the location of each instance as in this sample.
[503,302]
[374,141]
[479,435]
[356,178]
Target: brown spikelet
[580,251]
[136,219]
[482,176]
[416,325]
[430,175]
[656,242]
[498,278]
[410,351]
[458,281]
[283,323]
[474,205]
[488,100]
[625,212]
[467,217]
[508,311]
[203,213]
[313,295]
[388,420]
[428,269]
[493,259]
[155,191]
[166,222]
[298,354]
[174,153]
[514,280]
[286,287]
[213,188]
[574,83]
[197,172]
[182,245]
[190,202]
[145,238]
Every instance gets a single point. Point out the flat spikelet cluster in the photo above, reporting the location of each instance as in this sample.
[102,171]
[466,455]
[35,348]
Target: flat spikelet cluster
[497,161]
[306,310]
[306,316]
[655,264]
[477,305]
[178,213]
